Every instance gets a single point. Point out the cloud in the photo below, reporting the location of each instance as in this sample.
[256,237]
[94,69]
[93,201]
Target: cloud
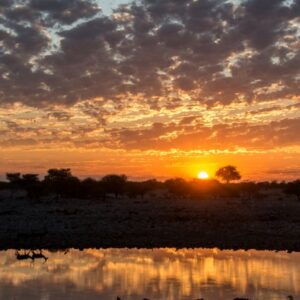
[286,172]
[65,11]
[89,75]
[60,115]
[152,48]
[194,135]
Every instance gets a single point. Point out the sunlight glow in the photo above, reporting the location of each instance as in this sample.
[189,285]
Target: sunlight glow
[203,175]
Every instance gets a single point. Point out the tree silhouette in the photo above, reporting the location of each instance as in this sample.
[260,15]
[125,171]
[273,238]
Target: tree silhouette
[31,184]
[14,182]
[139,189]
[228,173]
[91,188]
[177,186]
[13,177]
[62,183]
[293,188]
[114,184]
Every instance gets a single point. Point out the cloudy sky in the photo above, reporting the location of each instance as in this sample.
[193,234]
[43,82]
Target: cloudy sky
[150,88]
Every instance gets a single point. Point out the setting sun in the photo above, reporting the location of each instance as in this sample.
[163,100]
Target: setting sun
[203,175]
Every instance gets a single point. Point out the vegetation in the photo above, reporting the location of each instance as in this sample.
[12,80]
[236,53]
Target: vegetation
[228,173]
[114,184]
[62,184]
[293,188]
[64,211]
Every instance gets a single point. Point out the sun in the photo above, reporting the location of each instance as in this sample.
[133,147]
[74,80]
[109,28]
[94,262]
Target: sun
[203,175]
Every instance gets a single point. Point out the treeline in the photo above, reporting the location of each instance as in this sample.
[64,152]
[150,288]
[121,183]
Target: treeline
[62,184]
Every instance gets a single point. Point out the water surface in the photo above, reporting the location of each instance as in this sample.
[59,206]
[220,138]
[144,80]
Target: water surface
[165,274]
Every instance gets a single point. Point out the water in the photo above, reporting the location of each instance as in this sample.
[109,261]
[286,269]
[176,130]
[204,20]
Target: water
[159,274]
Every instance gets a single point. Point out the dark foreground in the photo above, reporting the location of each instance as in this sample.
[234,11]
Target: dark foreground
[267,224]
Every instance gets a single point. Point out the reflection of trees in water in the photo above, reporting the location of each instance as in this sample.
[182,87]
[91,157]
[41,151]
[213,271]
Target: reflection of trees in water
[38,254]
[160,272]
[30,255]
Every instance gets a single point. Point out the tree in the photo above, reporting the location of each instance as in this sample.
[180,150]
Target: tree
[62,183]
[293,188]
[114,184]
[177,187]
[58,174]
[14,182]
[13,177]
[31,184]
[228,173]
[91,188]
[139,189]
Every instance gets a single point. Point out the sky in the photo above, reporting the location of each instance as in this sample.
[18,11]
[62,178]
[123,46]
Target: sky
[152,88]
[107,6]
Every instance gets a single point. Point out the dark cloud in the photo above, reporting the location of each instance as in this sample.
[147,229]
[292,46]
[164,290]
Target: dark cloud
[5,3]
[65,51]
[21,13]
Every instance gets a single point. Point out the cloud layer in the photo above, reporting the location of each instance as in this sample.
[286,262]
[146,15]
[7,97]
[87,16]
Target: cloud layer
[67,51]
[153,75]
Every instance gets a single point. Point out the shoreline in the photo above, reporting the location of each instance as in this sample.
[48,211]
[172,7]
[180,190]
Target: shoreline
[49,244]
